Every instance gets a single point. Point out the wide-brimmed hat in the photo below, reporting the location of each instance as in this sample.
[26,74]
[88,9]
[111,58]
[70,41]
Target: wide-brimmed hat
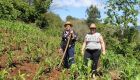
[68,23]
[92,26]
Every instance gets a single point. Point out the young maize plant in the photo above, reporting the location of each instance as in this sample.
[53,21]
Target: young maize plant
[10,59]
[3,74]
[19,76]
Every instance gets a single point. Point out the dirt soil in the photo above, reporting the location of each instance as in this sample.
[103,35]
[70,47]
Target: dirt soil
[115,75]
[54,75]
[27,68]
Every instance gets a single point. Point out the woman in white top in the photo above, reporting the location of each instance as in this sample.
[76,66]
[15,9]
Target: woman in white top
[92,47]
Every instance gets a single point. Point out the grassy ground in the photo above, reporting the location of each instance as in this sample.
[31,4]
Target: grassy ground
[25,50]
[28,53]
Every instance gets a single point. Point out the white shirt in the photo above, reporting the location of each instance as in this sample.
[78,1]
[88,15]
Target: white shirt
[93,41]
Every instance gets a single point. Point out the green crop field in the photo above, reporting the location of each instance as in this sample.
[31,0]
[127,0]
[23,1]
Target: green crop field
[28,53]
[31,31]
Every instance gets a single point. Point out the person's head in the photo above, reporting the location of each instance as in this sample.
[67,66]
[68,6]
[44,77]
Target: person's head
[92,28]
[68,25]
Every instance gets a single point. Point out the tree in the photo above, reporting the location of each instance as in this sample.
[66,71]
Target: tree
[7,10]
[42,6]
[54,20]
[23,10]
[93,15]
[30,2]
[27,13]
[49,19]
[68,18]
[123,14]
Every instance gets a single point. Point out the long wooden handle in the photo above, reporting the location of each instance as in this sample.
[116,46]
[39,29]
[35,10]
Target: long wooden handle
[65,51]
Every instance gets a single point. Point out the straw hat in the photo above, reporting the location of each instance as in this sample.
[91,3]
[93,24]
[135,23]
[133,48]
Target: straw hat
[92,26]
[68,23]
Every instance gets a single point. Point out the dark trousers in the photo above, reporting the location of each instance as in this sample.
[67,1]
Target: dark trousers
[69,57]
[94,56]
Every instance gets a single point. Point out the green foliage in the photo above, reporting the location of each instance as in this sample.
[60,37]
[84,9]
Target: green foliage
[35,13]
[53,20]
[7,10]
[36,46]
[40,71]
[69,18]
[42,21]
[126,46]
[24,11]
[27,13]
[36,43]
[42,6]
[127,67]
[19,76]
[122,14]
[49,20]
[10,59]
[93,15]
[26,34]
[3,74]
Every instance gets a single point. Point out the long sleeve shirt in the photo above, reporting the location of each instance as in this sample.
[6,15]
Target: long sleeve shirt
[64,39]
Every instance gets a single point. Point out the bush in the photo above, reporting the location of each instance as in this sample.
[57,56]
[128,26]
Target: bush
[27,13]
[49,20]
[7,10]
[53,19]
[21,10]
[42,21]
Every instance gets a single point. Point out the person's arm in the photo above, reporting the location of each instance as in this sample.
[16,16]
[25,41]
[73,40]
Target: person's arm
[74,35]
[102,44]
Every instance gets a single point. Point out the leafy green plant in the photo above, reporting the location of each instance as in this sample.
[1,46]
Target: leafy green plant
[44,44]
[63,75]
[10,59]
[39,72]
[19,76]
[7,10]
[3,74]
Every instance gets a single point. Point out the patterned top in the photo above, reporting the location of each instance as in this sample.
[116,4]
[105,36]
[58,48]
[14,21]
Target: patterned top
[64,40]
[93,41]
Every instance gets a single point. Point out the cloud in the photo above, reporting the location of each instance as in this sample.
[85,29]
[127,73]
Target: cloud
[78,3]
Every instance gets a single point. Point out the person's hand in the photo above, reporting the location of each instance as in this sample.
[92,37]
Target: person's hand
[71,35]
[71,32]
[60,50]
[103,52]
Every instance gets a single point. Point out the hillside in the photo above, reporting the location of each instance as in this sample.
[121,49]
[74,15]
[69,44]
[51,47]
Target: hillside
[29,53]
[24,51]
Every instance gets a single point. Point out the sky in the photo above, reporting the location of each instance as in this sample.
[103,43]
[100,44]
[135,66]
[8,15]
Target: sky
[77,8]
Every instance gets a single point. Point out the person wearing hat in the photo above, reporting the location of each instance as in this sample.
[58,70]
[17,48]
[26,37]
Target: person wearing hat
[92,47]
[68,33]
